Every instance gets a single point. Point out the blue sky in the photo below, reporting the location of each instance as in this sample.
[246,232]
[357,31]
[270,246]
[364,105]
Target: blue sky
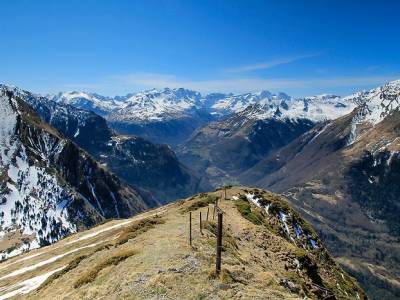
[116,47]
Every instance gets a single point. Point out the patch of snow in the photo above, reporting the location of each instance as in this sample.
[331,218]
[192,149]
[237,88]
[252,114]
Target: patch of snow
[253,199]
[28,285]
[283,218]
[392,153]
[319,132]
[45,262]
[95,197]
[115,204]
[93,234]
[313,243]
[298,230]
[267,207]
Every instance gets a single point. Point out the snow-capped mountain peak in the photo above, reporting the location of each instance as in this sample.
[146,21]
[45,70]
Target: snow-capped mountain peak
[237,103]
[377,103]
[157,105]
[99,104]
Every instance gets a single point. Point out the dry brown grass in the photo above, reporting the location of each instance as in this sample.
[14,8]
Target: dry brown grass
[229,244]
[73,264]
[115,259]
[137,228]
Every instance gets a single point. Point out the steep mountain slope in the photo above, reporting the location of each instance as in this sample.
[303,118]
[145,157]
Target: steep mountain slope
[223,149]
[171,131]
[343,176]
[87,129]
[269,252]
[49,187]
[133,159]
[154,167]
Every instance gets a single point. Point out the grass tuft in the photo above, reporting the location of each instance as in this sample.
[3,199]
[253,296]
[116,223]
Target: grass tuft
[91,275]
[72,265]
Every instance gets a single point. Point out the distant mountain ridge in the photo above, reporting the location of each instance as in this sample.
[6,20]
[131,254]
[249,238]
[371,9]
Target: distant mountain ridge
[172,115]
[164,104]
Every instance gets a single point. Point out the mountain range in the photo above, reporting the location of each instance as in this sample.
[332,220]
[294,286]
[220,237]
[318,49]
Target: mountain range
[171,115]
[336,160]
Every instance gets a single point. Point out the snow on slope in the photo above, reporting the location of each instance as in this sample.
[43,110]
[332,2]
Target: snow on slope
[27,286]
[164,104]
[374,106]
[94,102]
[316,108]
[377,103]
[32,199]
[237,103]
[156,105]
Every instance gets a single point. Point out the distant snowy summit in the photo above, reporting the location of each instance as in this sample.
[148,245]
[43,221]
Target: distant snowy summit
[90,101]
[165,104]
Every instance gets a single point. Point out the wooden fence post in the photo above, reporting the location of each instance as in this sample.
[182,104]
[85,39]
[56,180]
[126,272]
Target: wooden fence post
[208,210]
[190,228]
[201,225]
[219,244]
[214,212]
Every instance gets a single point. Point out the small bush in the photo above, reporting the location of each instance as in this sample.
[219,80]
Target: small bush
[254,216]
[203,202]
[91,275]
